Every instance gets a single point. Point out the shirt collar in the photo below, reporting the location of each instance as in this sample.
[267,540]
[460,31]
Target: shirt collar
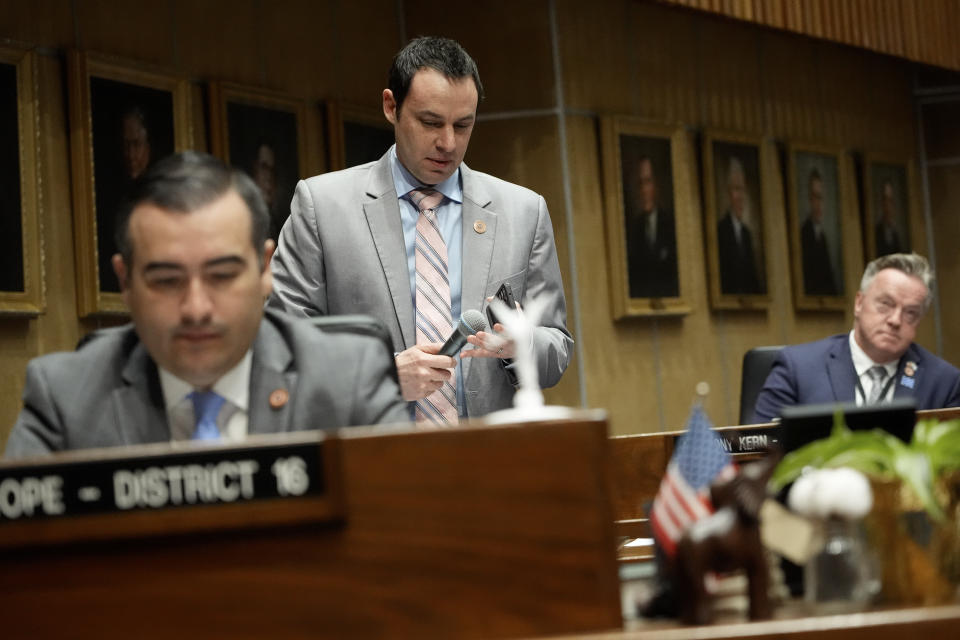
[862,362]
[404,181]
[234,385]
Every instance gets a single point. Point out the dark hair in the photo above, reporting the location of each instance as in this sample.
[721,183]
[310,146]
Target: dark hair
[184,182]
[441,54]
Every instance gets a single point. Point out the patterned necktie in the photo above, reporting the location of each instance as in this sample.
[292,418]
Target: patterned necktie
[877,375]
[206,407]
[434,318]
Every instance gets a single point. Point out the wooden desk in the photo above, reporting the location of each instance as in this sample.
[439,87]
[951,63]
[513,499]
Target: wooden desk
[929,623]
[470,532]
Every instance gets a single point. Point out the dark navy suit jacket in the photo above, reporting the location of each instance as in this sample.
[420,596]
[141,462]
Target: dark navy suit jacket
[823,372]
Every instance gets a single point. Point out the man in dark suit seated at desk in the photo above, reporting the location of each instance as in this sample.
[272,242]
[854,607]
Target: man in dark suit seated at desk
[201,359]
[878,359]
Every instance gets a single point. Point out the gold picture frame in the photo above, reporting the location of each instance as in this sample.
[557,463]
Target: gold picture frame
[263,133]
[888,205]
[735,176]
[21,281]
[816,194]
[123,117]
[357,135]
[647,212]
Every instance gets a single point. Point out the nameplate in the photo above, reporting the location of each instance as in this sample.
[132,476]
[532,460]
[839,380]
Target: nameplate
[174,480]
[744,441]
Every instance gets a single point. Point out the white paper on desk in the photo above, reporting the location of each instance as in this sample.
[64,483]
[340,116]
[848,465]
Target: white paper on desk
[640,542]
[794,537]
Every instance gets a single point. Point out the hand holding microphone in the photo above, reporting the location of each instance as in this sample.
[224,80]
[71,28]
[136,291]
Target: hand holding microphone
[471,321]
[424,368]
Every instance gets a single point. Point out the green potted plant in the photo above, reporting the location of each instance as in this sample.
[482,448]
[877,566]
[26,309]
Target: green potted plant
[914,525]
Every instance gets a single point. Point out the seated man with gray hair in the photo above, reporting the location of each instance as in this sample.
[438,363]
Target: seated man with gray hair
[878,359]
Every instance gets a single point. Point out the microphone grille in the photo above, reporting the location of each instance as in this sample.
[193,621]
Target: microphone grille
[474,319]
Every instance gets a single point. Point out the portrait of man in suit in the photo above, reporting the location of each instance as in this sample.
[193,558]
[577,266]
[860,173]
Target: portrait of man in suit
[11,220]
[132,127]
[264,142]
[200,359]
[738,246]
[417,237]
[890,210]
[878,359]
[651,236]
[819,277]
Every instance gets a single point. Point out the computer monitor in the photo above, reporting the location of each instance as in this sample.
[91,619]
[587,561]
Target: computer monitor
[801,425]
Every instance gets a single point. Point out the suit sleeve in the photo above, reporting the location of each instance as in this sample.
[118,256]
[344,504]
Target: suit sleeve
[953,398]
[38,430]
[552,342]
[779,390]
[377,398]
[299,281]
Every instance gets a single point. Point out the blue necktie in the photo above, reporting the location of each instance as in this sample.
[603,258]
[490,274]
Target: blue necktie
[206,406]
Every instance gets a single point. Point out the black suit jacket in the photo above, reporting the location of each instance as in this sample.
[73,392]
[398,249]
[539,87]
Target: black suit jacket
[822,372]
[884,247]
[652,267]
[818,277]
[738,271]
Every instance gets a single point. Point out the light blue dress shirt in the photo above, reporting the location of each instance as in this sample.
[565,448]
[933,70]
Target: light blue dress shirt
[449,217]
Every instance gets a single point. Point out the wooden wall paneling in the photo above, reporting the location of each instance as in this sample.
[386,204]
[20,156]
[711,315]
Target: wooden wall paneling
[514,54]
[619,359]
[298,48]
[527,151]
[790,87]
[944,203]
[663,64]
[219,39]
[598,31]
[729,88]
[367,37]
[140,31]
[689,349]
[46,21]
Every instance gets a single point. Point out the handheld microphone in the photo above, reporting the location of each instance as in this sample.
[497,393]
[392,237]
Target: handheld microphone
[471,321]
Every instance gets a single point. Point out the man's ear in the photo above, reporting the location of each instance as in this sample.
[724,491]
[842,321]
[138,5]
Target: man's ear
[389,106]
[857,304]
[120,268]
[266,277]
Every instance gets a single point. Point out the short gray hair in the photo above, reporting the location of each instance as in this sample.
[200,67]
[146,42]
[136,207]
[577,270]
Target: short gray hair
[911,264]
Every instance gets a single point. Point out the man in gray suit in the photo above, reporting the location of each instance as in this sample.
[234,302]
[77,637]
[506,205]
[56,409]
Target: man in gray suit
[201,360]
[349,245]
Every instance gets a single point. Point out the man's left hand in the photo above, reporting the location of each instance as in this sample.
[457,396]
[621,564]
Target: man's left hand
[490,345]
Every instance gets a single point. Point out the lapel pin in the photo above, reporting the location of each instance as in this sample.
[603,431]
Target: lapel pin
[909,368]
[480,226]
[279,398]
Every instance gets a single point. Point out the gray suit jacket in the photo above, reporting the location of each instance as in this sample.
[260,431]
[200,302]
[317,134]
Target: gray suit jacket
[108,392]
[342,251]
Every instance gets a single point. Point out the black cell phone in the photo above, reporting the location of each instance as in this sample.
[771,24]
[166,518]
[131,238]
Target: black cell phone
[505,295]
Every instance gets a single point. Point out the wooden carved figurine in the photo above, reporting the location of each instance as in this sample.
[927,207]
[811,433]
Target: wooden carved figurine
[727,540]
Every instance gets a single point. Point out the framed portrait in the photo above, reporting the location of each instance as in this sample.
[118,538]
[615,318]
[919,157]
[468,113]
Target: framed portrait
[816,227]
[357,135]
[262,133]
[734,221]
[21,257]
[123,118]
[886,190]
[645,216]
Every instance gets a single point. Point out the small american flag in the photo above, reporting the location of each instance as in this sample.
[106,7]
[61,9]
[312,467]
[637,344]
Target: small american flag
[684,494]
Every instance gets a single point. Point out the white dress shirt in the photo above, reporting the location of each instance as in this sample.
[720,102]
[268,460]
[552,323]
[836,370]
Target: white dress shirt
[233,418]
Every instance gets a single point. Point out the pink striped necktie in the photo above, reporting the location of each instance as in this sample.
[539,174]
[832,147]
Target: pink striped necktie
[434,318]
